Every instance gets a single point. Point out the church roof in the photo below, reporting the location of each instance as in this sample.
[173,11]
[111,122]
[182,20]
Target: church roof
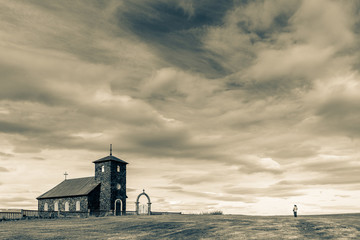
[110,158]
[71,188]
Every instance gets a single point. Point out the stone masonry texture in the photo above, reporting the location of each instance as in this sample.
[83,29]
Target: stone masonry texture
[109,180]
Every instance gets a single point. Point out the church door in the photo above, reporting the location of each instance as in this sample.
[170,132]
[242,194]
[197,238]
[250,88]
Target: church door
[117,207]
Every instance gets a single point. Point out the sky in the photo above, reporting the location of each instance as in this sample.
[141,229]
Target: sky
[245,107]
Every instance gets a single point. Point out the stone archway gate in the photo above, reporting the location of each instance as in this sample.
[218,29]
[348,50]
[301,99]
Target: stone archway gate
[137,203]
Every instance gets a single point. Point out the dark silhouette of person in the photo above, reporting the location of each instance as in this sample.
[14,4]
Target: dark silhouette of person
[295,209]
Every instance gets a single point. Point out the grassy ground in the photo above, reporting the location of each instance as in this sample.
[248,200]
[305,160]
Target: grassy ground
[186,227]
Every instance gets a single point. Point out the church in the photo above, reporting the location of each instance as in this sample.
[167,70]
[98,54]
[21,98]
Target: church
[101,195]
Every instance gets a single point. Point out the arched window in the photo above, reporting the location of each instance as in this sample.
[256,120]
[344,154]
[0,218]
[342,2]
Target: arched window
[46,207]
[118,168]
[67,206]
[77,205]
[102,168]
[56,206]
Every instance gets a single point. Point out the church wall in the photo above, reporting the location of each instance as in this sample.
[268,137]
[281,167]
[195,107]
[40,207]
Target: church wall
[94,200]
[105,188]
[61,203]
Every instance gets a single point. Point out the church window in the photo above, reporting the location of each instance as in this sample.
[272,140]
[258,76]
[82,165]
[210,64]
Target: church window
[56,206]
[77,205]
[102,168]
[118,186]
[46,207]
[118,168]
[67,206]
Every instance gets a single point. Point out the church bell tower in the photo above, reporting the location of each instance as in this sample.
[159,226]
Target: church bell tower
[110,171]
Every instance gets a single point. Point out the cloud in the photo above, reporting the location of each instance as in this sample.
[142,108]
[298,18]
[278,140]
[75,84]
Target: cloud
[14,199]
[246,26]
[324,26]
[16,202]
[252,164]
[274,49]
[2,169]
[54,22]
[296,64]
[130,189]
[6,155]
[327,170]
[172,83]
[272,191]
[294,151]
[174,30]
[195,180]
[341,116]
[334,103]
[333,170]
[210,195]
[170,188]
[8,127]
[18,87]
[310,53]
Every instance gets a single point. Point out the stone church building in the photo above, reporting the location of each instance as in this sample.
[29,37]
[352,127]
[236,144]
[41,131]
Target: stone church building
[103,194]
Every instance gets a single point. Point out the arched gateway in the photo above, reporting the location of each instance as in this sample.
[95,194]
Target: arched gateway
[137,203]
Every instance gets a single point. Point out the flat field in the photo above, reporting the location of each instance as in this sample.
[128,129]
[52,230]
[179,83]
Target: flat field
[345,226]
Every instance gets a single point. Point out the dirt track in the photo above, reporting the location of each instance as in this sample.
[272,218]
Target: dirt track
[186,227]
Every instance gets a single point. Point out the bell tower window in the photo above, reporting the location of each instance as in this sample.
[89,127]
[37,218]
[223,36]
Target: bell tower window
[118,168]
[102,168]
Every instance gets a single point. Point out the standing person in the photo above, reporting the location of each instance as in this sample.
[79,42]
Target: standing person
[295,210]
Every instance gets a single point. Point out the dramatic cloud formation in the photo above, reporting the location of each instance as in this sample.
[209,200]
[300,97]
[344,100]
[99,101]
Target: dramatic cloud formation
[247,107]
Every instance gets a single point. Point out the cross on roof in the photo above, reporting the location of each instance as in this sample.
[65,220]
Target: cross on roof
[65,174]
[110,149]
